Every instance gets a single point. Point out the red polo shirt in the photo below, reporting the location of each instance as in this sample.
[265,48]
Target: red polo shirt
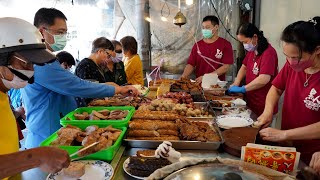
[266,63]
[220,51]
[301,106]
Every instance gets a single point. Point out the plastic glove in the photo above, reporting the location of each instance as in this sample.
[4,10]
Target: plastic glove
[237,89]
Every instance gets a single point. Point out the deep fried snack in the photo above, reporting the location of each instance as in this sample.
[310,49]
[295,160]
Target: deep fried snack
[113,136]
[156,115]
[168,132]
[152,125]
[67,135]
[143,133]
[74,170]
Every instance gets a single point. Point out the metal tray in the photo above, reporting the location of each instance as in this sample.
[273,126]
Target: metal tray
[178,144]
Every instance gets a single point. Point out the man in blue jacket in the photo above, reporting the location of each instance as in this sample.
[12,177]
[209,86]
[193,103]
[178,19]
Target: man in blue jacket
[52,93]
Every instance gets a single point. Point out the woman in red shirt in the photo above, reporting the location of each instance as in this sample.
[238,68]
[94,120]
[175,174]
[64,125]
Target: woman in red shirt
[300,81]
[260,66]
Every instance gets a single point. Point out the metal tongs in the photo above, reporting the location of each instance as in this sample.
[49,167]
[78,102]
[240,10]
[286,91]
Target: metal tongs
[87,147]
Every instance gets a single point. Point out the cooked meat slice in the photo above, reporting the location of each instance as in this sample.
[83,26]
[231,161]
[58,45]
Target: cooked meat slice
[104,112]
[113,136]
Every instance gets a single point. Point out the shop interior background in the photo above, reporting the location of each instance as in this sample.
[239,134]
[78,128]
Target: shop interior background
[114,19]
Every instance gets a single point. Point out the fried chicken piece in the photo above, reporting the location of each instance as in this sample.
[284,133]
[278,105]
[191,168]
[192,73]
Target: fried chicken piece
[99,115]
[189,131]
[80,137]
[66,135]
[104,112]
[103,144]
[78,116]
[113,136]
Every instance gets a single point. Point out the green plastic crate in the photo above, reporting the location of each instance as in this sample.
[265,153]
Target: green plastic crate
[84,123]
[106,154]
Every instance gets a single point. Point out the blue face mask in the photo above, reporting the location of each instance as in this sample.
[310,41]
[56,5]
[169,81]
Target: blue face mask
[249,47]
[60,41]
[207,33]
[118,58]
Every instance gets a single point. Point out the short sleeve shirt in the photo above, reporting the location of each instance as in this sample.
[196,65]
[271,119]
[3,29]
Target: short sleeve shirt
[301,106]
[266,63]
[219,51]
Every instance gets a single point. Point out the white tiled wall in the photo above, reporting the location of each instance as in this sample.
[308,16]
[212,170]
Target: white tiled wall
[277,14]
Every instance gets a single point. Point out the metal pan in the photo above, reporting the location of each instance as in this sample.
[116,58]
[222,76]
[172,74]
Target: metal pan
[179,144]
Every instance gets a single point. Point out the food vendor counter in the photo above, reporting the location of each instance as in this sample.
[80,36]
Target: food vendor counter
[119,173]
[122,154]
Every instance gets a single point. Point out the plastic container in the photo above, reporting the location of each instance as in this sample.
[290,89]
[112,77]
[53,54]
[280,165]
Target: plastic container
[84,123]
[106,154]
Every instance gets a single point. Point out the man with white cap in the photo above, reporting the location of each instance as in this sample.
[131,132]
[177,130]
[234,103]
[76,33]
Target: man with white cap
[21,46]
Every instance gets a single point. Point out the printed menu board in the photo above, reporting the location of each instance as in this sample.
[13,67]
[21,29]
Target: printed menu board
[282,159]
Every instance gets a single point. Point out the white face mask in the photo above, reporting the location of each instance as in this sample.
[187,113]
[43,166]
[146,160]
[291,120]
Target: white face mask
[16,82]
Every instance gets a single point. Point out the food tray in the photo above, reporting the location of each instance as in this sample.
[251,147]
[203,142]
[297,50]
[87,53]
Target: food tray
[84,123]
[178,144]
[106,154]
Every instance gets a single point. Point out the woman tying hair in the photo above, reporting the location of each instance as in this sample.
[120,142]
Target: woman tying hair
[299,79]
[260,66]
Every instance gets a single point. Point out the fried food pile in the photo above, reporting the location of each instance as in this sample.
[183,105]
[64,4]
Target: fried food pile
[186,85]
[120,100]
[165,125]
[102,115]
[74,136]
[188,110]
[74,170]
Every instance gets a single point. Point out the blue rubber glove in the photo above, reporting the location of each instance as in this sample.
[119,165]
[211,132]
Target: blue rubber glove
[237,89]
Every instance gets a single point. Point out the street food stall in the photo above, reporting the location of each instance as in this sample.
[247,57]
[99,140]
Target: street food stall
[202,103]
[212,135]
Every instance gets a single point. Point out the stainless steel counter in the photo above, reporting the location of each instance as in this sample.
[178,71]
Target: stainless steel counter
[122,154]
[119,173]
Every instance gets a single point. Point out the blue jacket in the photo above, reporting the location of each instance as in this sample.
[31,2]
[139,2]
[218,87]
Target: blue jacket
[53,94]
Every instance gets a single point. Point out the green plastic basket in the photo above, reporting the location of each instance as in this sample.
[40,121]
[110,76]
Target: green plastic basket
[84,123]
[106,154]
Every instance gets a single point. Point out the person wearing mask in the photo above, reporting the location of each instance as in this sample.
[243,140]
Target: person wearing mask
[299,81]
[22,46]
[53,93]
[66,60]
[132,62]
[212,54]
[118,51]
[114,68]
[100,65]
[259,67]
